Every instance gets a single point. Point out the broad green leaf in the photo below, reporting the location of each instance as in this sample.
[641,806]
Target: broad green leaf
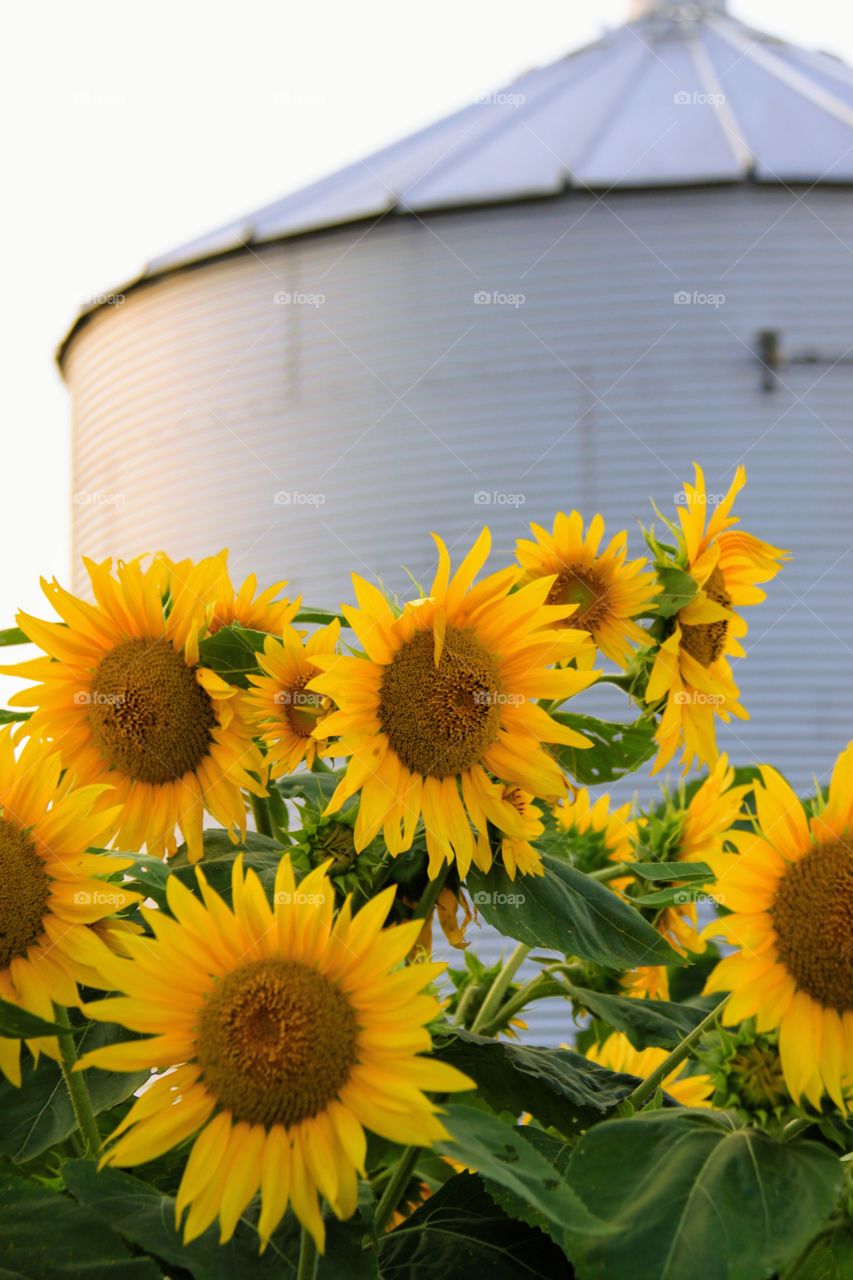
[646,1023]
[38,1114]
[562,1089]
[13,635]
[230,652]
[687,1190]
[679,588]
[674,895]
[45,1235]
[617,749]
[16,1023]
[671,871]
[317,788]
[570,912]
[500,1154]
[829,1258]
[460,1233]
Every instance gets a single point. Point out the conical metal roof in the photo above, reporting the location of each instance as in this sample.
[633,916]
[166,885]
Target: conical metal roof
[682,94]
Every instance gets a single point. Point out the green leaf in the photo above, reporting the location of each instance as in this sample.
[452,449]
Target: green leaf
[13,635]
[17,1023]
[646,1023]
[570,912]
[13,717]
[39,1114]
[561,1088]
[617,749]
[500,1154]
[671,871]
[679,588]
[687,1189]
[47,1236]
[460,1233]
[316,788]
[230,652]
[319,617]
[829,1258]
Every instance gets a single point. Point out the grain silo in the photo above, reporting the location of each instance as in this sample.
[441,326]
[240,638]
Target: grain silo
[558,296]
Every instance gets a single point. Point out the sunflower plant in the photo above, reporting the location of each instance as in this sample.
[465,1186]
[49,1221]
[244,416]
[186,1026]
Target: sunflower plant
[240,839]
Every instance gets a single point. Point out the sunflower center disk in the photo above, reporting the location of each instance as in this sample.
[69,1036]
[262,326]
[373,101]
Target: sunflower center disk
[277,1041]
[301,708]
[441,718]
[149,716]
[706,641]
[24,893]
[813,918]
[585,588]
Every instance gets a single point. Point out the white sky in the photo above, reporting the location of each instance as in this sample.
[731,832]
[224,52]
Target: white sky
[130,128]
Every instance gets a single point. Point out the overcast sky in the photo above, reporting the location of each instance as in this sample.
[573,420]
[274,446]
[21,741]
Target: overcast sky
[132,127]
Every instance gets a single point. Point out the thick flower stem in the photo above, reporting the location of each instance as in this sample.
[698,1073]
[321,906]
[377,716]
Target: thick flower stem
[308,1257]
[397,1183]
[498,989]
[429,897]
[263,817]
[613,872]
[76,1086]
[653,1081]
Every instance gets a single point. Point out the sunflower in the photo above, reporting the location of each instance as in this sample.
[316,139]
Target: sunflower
[123,697]
[607,590]
[284,713]
[790,891]
[617,1053]
[50,893]
[598,834]
[691,669]
[520,855]
[290,1032]
[261,612]
[440,703]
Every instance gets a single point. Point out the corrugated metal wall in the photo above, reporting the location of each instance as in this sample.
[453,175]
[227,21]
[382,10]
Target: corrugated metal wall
[320,405]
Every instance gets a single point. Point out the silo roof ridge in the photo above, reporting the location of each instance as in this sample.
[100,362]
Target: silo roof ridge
[683,94]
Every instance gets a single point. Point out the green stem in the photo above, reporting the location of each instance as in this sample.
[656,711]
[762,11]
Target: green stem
[263,817]
[651,1083]
[539,988]
[76,1086]
[464,1005]
[613,872]
[795,1127]
[498,989]
[429,897]
[308,1259]
[397,1183]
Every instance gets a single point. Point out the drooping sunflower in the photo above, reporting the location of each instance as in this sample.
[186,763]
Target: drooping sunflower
[608,590]
[52,899]
[283,711]
[691,669]
[599,834]
[290,1030]
[440,704]
[617,1053]
[520,855]
[790,891]
[122,696]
